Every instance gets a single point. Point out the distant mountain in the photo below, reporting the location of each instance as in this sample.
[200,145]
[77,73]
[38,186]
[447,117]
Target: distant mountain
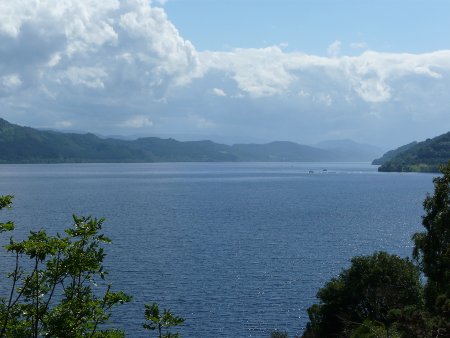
[424,156]
[349,150]
[27,145]
[281,152]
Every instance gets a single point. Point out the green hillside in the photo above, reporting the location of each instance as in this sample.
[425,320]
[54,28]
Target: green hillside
[27,145]
[424,156]
[393,153]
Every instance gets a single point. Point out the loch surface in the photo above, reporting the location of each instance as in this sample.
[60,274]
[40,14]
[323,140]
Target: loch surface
[237,249]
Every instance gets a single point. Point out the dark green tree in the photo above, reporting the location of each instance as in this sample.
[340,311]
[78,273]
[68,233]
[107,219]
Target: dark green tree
[432,250]
[373,329]
[279,334]
[57,283]
[372,287]
[160,322]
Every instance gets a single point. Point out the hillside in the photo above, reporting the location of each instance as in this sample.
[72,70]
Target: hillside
[393,153]
[27,145]
[424,156]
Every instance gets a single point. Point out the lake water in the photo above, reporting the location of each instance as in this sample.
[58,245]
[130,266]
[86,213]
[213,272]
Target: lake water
[237,249]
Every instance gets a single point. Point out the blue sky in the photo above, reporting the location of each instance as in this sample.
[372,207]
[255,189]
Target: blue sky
[376,72]
[311,26]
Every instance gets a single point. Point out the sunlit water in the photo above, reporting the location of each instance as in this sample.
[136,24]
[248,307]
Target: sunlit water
[237,249]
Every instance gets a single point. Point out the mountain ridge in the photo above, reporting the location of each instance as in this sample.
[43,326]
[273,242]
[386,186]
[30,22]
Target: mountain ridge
[20,144]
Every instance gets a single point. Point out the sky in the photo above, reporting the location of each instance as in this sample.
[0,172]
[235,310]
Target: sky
[233,71]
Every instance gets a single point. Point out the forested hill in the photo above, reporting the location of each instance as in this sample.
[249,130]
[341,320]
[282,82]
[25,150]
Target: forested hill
[27,145]
[424,156]
[393,153]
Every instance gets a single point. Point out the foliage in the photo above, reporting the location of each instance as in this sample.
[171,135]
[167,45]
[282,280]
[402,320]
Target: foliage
[5,202]
[373,329]
[426,156]
[57,284]
[432,250]
[158,321]
[380,295]
[369,289]
[388,156]
[279,334]
[412,321]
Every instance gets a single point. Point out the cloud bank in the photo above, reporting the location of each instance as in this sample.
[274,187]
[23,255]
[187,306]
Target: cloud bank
[120,66]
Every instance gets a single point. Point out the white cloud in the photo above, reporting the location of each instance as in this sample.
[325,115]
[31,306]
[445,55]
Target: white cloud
[85,24]
[219,92]
[334,49]
[138,121]
[91,77]
[12,16]
[130,47]
[11,81]
[162,46]
[270,71]
[324,98]
[98,59]
[303,93]
[54,60]
[134,44]
[259,72]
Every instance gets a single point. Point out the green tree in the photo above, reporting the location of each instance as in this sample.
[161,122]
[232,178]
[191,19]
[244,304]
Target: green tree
[432,250]
[279,334]
[372,287]
[373,329]
[5,202]
[158,321]
[57,283]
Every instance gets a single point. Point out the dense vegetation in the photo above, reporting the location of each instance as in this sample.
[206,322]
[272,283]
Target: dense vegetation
[388,156]
[27,145]
[424,156]
[382,296]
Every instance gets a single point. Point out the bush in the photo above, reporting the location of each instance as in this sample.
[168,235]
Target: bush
[372,287]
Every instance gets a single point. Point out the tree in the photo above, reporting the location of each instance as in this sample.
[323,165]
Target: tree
[5,202]
[373,329]
[160,322]
[372,287]
[58,286]
[279,334]
[432,250]
[381,295]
